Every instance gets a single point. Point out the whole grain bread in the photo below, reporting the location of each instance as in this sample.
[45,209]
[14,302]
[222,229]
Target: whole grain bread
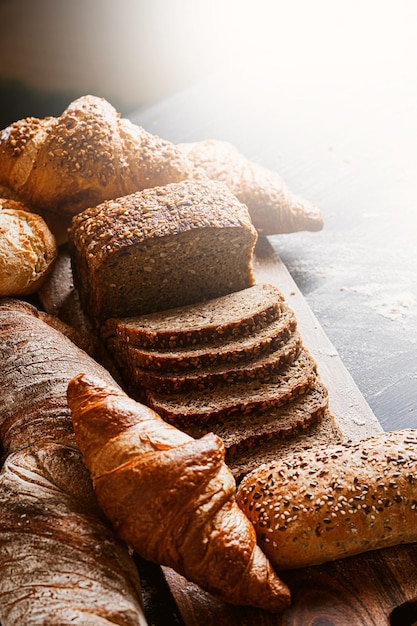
[260,368]
[249,432]
[324,431]
[239,397]
[258,343]
[234,315]
[161,248]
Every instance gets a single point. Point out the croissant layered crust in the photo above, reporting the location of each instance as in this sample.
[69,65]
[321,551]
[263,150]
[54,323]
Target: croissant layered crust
[169,496]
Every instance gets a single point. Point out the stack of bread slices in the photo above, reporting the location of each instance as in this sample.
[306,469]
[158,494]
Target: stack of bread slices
[235,365]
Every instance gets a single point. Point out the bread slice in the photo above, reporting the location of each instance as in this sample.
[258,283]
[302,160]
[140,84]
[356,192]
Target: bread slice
[161,248]
[260,368]
[322,431]
[182,409]
[261,342]
[233,316]
[256,428]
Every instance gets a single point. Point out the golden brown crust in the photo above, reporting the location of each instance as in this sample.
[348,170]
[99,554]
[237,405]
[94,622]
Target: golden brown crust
[128,253]
[272,206]
[59,561]
[169,496]
[28,249]
[56,548]
[85,156]
[335,501]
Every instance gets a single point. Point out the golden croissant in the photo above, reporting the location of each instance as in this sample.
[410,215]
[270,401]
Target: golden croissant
[273,207]
[169,496]
[85,156]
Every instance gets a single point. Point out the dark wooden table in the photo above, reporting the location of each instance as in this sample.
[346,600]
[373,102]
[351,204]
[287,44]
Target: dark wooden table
[351,148]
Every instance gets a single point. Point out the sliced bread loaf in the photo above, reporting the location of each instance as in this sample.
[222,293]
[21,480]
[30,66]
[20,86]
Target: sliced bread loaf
[235,315]
[260,368]
[258,343]
[128,253]
[182,409]
[324,431]
[251,431]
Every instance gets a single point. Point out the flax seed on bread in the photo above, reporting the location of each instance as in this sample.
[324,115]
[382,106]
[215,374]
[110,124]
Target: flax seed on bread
[234,315]
[161,248]
[335,501]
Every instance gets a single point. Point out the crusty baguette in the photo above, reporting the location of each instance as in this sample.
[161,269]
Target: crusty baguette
[169,496]
[37,361]
[335,501]
[60,563]
[272,206]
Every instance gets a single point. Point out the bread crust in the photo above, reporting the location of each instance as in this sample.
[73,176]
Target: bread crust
[28,249]
[86,155]
[272,206]
[335,501]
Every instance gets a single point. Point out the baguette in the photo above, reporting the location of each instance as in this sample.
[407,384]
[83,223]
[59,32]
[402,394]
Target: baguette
[335,501]
[169,496]
[60,563]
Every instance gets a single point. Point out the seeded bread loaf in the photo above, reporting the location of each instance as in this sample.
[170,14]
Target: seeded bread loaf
[129,253]
[226,399]
[335,501]
[235,315]
[272,206]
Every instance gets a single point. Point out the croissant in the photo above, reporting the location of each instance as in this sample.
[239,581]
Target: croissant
[85,156]
[169,496]
[272,206]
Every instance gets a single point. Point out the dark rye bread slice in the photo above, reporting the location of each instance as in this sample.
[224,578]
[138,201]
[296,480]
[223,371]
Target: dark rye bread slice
[234,315]
[161,248]
[260,342]
[260,368]
[323,431]
[182,409]
[254,429]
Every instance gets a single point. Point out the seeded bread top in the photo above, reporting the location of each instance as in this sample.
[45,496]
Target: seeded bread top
[157,212]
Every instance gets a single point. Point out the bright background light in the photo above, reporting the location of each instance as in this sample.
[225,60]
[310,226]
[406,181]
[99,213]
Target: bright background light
[137,51]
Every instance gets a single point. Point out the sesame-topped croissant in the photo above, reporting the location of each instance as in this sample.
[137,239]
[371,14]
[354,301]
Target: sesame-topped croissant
[85,156]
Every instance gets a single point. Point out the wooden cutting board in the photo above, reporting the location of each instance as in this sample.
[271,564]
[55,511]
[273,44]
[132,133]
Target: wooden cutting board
[374,589]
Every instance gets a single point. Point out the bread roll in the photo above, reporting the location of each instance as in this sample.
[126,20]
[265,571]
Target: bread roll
[28,249]
[335,501]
